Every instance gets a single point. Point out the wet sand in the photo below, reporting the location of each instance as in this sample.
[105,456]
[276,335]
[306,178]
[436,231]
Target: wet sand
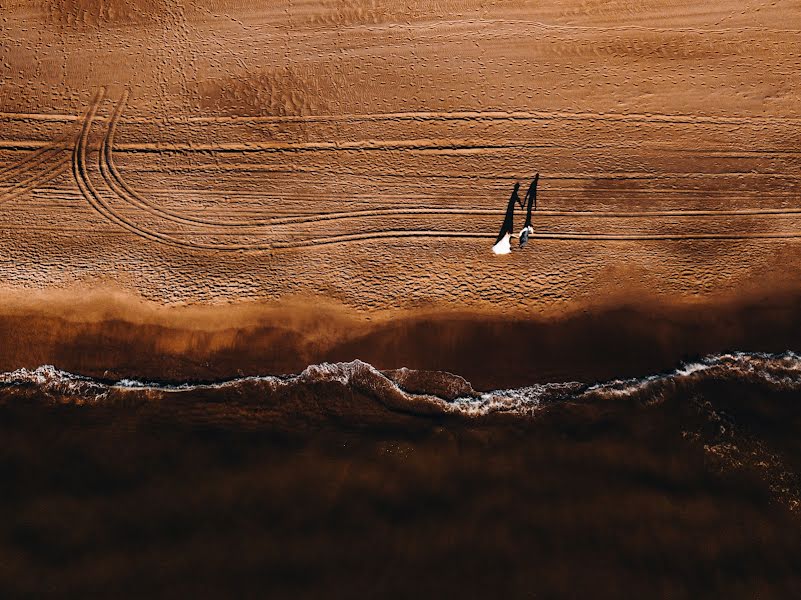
[115,336]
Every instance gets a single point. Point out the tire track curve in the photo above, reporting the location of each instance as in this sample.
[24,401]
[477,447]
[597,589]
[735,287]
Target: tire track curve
[96,201]
[127,193]
[121,187]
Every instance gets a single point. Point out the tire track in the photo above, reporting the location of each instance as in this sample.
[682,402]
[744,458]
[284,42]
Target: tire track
[345,239]
[474,176]
[497,116]
[526,25]
[676,118]
[96,201]
[89,192]
[120,186]
[37,157]
[47,117]
[429,146]
[32,182]
[422,145]
[107,211]
[28,162]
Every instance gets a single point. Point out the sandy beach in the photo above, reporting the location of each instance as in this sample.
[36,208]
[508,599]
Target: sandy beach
[191,155]
[111,335]
[254,340]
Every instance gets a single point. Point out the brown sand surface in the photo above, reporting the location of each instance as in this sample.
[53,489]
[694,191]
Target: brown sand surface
[201,190]
[203,153]
[110,335]
[209,189]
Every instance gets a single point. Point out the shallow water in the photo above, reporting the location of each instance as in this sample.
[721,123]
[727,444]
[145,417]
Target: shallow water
[345,481]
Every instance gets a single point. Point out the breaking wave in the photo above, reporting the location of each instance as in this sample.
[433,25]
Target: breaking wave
[335,389]
[710,404]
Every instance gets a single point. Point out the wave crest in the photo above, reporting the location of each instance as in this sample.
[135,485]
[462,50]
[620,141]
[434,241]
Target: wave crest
[357,385]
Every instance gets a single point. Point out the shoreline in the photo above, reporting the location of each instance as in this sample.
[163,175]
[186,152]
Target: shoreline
[113,335]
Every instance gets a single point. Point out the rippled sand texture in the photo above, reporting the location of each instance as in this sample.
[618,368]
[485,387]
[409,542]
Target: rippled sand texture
[198,151]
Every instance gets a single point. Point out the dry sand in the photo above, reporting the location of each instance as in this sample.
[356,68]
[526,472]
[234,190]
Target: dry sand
[235,162]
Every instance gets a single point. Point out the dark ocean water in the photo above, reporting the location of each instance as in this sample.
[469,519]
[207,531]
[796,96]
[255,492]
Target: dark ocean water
[344,481]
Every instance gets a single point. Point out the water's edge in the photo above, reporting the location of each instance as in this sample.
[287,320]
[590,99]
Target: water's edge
[418,391]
